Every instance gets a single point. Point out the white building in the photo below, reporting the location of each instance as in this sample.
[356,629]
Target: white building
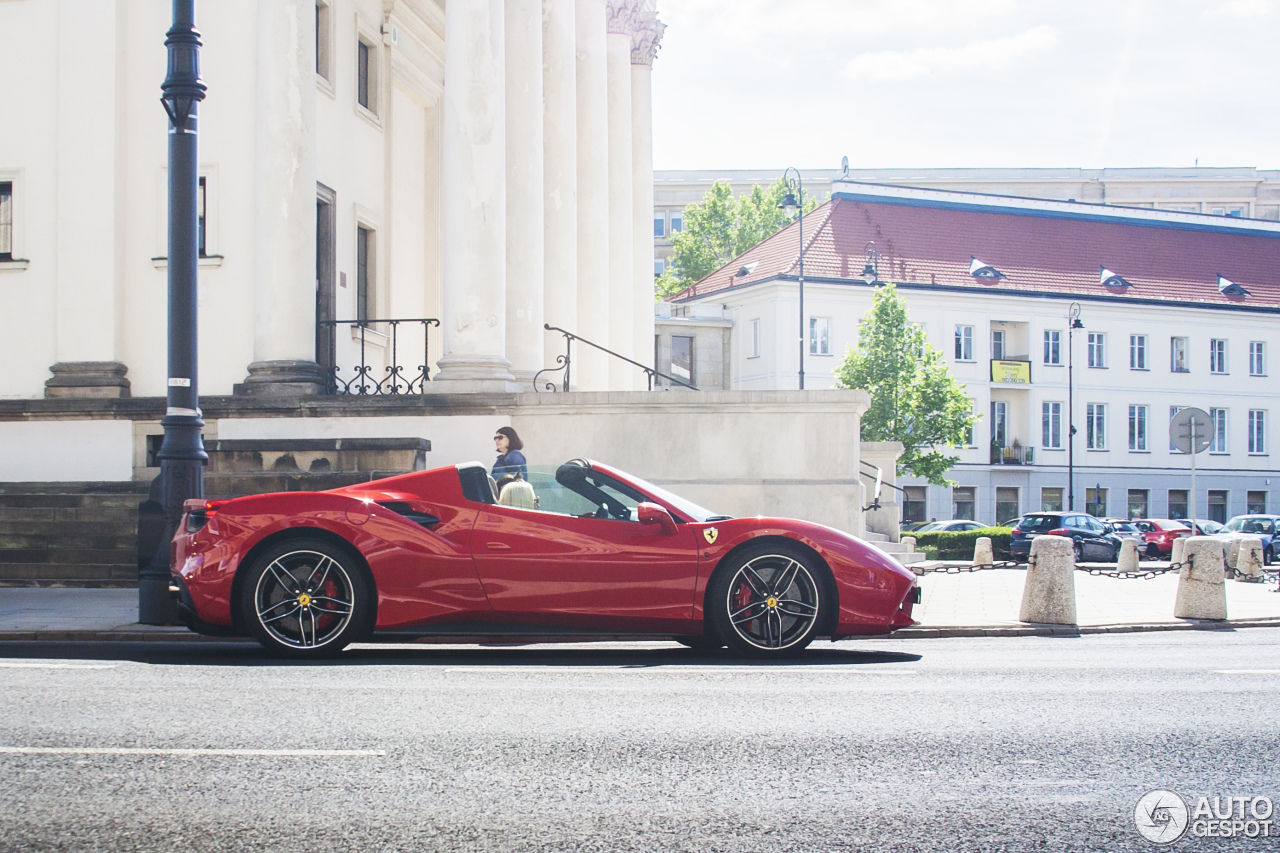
[356,165]
[1170,333]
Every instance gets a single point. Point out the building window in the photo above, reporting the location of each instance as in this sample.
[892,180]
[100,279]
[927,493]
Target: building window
[1051,426]
[968,432]
[322,40]
[1096,426]
[997,344]
[755,338]
[1137,352]
[1097,349]
[1257,362]
[1006,504]
[659,224]
[201,207]
[1138,428]
[1095,502]
[1218,506]
[819,336]
[677,221]
[1255,503]
[964,343]
[366,75]
[999,424]
[1217,356]
[1257,431]
[962,502]
[658,267]
[913,503]
[1177,503]
[1173,410]
[6,221]
[1218,434]
[682,357]
[365,289]
[1051,500]
[1053,347]
[1178,355]
[1139,500]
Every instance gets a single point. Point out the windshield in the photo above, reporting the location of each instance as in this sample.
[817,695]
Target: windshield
[1040,522]
[598,493]
[1124,527]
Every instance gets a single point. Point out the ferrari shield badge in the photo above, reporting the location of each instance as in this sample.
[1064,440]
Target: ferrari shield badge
[711,533]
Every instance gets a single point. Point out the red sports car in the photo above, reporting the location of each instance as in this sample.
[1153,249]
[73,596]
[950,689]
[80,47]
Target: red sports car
[575,551]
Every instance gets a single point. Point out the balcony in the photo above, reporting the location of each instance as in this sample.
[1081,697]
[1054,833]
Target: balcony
[1016,455]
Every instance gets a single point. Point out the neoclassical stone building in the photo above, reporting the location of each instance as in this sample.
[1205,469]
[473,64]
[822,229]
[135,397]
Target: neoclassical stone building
[486,165]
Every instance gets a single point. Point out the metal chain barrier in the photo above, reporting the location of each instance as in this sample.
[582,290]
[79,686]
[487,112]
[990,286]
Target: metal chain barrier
[961,568]
[1144,574]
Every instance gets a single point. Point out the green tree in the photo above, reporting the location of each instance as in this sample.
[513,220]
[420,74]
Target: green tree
[720,228]
[914,397]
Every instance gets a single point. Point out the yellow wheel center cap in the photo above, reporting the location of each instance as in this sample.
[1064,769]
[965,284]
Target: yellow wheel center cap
[304,599]
[772,602]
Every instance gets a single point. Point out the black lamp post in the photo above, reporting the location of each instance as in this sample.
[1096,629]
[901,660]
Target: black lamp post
[182,455]
[1073,317]
[871,270]
[795,189]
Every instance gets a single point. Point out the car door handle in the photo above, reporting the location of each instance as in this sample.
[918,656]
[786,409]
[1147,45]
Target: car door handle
[497,546]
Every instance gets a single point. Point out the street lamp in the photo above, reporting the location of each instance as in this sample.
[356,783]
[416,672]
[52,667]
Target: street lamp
[792,203]
[871,271]
[182,454]
[1073,316]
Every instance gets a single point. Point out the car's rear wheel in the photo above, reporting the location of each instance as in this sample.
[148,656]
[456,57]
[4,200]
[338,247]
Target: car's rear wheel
[1268,556]
[1153,553]
[770,600]
[1078,550]
[306,598]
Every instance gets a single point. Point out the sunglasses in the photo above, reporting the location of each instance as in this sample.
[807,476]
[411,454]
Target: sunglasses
[499,437]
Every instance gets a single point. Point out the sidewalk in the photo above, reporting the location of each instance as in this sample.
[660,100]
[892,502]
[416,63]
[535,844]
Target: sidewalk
[975,604]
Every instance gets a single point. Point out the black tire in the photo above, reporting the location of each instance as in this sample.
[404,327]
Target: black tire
[1078,550]
[770,600]
[1153,553]
[306,598]
[702,645]
[1268,556]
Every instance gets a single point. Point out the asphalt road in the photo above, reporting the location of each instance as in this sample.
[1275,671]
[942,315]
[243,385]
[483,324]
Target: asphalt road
[956,744]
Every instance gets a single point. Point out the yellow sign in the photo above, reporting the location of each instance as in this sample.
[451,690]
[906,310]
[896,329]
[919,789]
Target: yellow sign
[1011,372]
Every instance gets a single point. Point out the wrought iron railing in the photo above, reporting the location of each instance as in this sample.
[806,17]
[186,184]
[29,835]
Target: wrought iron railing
[565,363]
[395,381]
[1016,455]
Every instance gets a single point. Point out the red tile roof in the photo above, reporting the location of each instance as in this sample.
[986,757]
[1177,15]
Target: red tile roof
[1054,248]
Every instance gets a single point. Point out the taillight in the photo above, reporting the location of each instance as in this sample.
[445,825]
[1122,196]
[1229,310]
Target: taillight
[1061,531]
[199,512]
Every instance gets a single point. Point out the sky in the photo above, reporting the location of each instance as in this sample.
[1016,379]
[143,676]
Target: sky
[756,84]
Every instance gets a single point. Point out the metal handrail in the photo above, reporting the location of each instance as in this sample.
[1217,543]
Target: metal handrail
[395,383]
[565,363]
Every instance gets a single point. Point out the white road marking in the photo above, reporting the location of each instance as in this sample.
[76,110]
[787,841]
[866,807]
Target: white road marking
[269,753]
[683,670]
[25,665]
[1248,671]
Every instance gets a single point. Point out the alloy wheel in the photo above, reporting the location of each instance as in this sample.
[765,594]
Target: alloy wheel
[772,602]
[304,599]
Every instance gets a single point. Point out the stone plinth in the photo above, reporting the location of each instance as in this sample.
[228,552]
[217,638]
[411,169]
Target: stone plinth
[1249,559]
[92,379]
[1049,594]
[1128,561]
[982,555]
[1201,584]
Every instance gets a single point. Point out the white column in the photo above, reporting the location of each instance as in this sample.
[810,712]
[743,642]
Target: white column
[525,247]
[560,172]
[474,189]
[590,368]
[284,306]
[622,376]
[645,37]
[85,345]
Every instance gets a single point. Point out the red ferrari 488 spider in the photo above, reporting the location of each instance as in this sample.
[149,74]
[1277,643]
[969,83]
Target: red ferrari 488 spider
[581,550]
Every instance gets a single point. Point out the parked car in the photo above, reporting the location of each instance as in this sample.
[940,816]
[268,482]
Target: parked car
[1092,541]
[1205,527]
[435,553]
[1126,529]
[950,526]
[1160,533]
[1261,526]
[910,526]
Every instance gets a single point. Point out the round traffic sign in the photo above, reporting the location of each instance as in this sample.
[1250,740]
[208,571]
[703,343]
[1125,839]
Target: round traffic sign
[1191,427]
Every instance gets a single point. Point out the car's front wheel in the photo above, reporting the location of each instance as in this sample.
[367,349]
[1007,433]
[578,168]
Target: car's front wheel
[306,598]
[1078,550]
[1268,556]
[770,600]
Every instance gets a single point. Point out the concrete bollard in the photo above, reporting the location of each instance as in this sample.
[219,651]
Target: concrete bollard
[1128,561]
[1249,562]
[1233,552]
[910,543]
[1202,591]
[1049,592]
[1179,550]
[982,551]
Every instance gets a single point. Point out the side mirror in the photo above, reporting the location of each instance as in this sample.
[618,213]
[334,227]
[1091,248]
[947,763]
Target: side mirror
[651,513]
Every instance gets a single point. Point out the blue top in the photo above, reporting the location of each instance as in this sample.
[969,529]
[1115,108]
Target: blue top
[511,462]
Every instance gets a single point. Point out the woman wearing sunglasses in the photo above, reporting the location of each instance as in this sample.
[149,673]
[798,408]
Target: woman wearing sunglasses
[510,460]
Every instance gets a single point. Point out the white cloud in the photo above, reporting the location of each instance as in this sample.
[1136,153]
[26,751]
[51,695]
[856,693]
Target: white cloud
[922,62]
[1243,8]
